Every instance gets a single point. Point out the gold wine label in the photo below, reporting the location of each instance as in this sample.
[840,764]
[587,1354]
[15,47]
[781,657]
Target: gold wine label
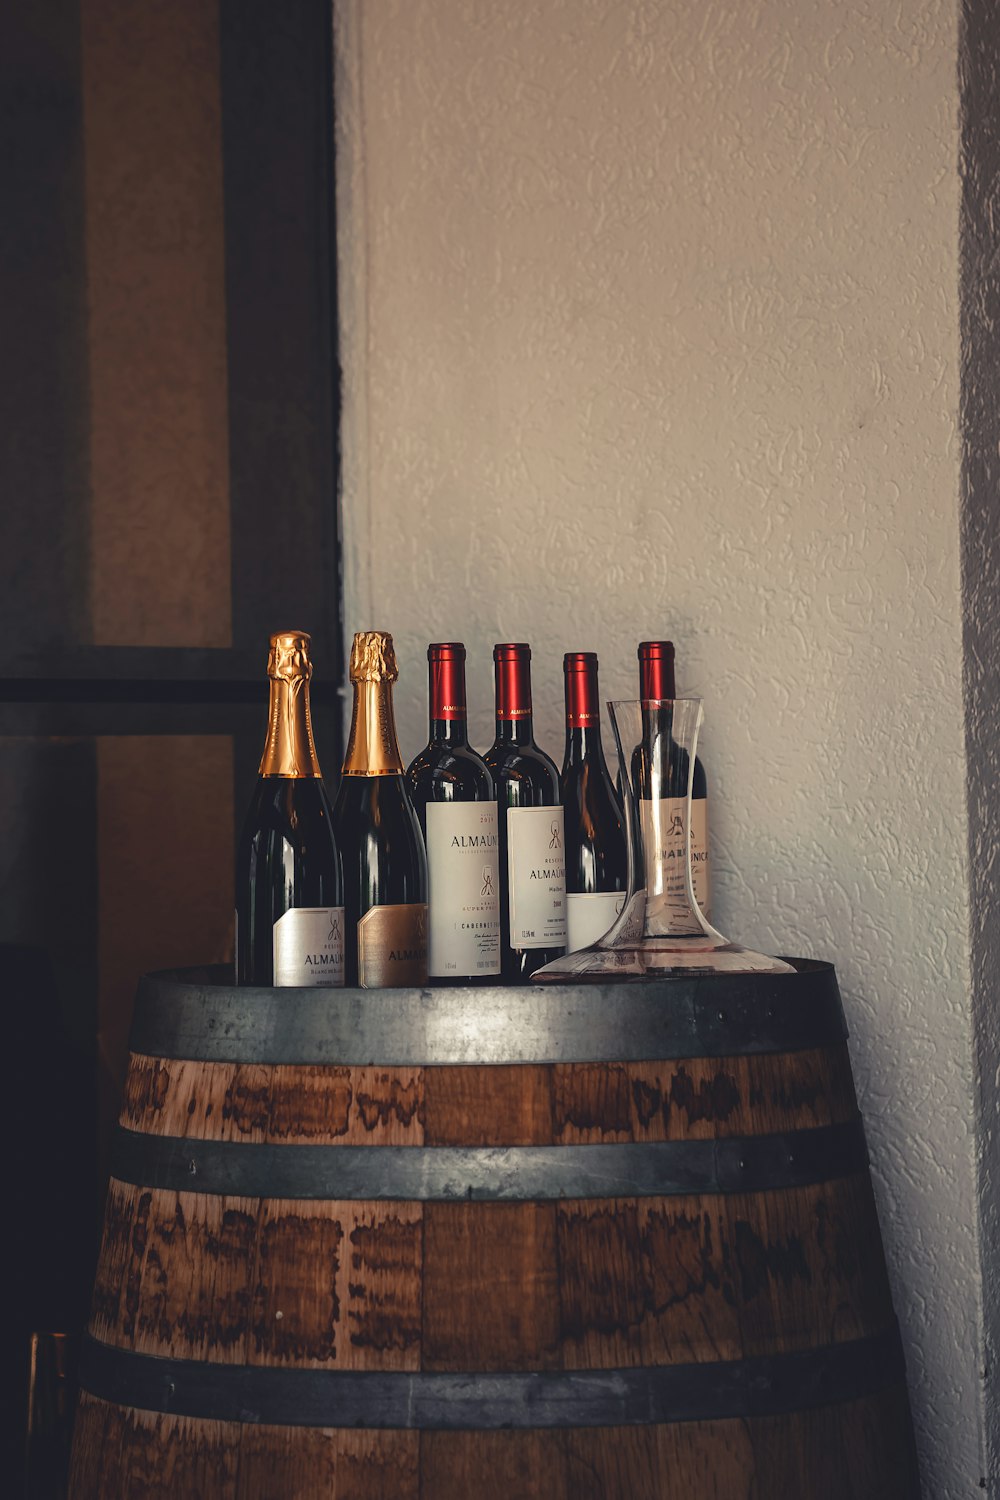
[372,748]
[289,749]
[392,947]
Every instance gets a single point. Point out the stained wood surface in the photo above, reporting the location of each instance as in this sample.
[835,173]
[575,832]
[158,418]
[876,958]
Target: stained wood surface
[585,1284]
[557,1103]
[260,1281]
[582,1284]
[304,1105]
[398,1286]
[858,1450]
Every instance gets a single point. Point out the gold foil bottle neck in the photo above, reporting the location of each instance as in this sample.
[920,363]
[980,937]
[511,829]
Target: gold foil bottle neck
[373,658]
[372,749]
[288,659]
[289,750]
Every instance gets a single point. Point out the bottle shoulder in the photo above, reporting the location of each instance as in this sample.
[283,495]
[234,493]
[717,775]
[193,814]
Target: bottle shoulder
[524,776]
[672,770]
[510,759]
[369,792]
[442,772]
[289,806]
[288,853]
[381,840]
[589,785]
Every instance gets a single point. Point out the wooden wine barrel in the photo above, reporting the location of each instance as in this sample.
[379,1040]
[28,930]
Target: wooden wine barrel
[567,1242]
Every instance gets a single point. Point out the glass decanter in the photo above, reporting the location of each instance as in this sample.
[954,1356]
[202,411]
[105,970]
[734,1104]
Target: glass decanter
[661,929]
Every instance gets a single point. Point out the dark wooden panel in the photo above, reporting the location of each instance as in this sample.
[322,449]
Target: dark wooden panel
[48,867]
[34,672]
[89,718]
[58,691]
[48,963]
[165,840]
[159,560]
[280,276]
[44,528]
[155,666]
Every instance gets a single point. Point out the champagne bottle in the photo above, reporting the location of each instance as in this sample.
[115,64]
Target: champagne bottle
[532,835]
[452,791]
[656,682]
[289,882]
[385,867]
[596,859]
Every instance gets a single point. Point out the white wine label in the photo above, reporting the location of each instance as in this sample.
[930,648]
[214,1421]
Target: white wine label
[463,889]
[663,845]
[701,864]
[536,877]
[392,947]
[589,915]
[309,946]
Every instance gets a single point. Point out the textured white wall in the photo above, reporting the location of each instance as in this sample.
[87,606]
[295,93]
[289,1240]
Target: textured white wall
[650,327]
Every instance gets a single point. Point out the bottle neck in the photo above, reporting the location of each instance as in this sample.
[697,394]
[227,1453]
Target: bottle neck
[449,732]
[289,749]
[513,684]
[515,731]
[446,696]
[373,749]
[583,710]
[583,742]
[656,677]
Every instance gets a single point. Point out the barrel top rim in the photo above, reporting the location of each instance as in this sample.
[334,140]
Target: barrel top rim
[193,1013]
[706,987]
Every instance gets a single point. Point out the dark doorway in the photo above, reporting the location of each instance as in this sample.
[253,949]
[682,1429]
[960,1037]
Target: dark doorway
[169,400]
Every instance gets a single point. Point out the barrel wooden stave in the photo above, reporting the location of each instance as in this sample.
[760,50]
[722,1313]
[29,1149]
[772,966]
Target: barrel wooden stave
[252,1281]
[560,1103]
[831,1453]
[616,1283]
[603,1284]
[488,1285]
[239,1102]
[121,1451]
[155,1456]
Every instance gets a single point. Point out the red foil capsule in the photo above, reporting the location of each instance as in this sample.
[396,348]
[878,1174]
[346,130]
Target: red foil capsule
[656,669]
[446,679]
[513,674]
[583,707]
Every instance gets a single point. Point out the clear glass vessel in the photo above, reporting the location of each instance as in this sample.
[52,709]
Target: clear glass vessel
[661,929]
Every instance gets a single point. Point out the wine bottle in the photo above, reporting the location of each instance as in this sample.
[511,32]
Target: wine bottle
[289,882]
[656,682]
[385,867]
[532,842]
[452,792]
[596,860]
